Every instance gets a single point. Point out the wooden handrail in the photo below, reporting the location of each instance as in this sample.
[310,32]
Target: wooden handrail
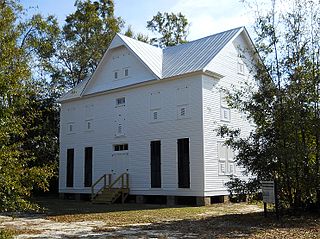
[124,183]
[104,178]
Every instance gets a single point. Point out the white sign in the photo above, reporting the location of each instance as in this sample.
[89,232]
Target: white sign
[268,191]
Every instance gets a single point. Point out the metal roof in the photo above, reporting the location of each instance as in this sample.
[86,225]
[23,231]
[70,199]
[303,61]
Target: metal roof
[195,55]
[150,55]
[184,58]
[171,61]
[75,92]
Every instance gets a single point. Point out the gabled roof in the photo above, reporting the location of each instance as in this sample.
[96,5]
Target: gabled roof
[172,61]
[195,55]
[150,55]
[75,92]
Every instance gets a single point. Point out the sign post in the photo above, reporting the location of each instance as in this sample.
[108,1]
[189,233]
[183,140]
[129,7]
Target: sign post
[269,194]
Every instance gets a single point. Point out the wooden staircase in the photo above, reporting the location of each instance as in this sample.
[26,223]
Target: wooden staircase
[109,193]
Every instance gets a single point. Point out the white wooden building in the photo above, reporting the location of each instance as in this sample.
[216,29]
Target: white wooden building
[151,113]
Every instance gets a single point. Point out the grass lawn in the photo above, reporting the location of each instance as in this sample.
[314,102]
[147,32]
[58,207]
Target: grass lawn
[216,221]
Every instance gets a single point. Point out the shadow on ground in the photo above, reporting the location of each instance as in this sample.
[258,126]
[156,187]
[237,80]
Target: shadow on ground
[249,225]
[58,207]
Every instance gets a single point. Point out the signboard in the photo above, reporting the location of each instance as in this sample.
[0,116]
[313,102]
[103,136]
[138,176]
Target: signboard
[268,191]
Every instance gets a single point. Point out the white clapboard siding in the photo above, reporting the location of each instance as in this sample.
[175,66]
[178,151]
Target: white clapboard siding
[169,94]
[225,64]
[139,131]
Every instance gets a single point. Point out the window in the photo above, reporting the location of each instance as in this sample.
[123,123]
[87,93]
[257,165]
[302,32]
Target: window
[182,112]
[120,147]
[126,72]
[241,68]
[225,114]
[120,101]
[226,162]
[89,124]
[155,115]
[116,75]
[70,128]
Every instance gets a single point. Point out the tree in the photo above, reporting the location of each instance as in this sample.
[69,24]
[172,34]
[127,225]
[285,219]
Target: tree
[173,28]
[139,36]
[84,38]
[284,104]
[18,174]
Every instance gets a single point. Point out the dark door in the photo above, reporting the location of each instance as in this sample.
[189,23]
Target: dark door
[70,167]
[183,163]
[88,166]
[155,149]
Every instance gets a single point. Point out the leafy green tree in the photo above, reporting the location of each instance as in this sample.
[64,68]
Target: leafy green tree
[139,36]
[173,28]
[84,38]
[18,174]
[284,104]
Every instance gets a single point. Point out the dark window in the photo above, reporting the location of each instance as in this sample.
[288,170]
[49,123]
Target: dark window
[183,163]
[155,151]
[88,166]
[120,101]
[126,72]
[120,147]
[70,167]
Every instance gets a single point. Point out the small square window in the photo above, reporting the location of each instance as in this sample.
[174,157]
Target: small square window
[155,115]
[126,72]
[183,111]
[120,101]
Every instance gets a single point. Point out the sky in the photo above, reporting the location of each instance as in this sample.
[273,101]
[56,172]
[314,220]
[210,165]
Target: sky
[206,17]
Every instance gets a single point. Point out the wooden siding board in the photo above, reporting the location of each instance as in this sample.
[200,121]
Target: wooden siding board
[139,133]
[225,63]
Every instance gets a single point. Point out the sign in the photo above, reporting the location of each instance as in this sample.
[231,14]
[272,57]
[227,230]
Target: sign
[268,191]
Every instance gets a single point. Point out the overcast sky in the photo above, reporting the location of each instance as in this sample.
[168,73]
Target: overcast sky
[206,17]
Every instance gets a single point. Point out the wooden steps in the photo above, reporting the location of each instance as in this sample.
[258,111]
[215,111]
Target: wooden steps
[109,193]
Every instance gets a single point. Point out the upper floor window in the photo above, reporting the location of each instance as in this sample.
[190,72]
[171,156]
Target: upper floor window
[116,74]
[89,124]
[70,128]
[182,111]
[225,114]
[126,72]
[241,68]
[120,101]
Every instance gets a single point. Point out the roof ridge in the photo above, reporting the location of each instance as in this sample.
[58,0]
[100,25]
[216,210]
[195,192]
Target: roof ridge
[202,38]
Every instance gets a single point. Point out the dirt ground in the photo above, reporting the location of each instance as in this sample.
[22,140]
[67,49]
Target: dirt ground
[72,219]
